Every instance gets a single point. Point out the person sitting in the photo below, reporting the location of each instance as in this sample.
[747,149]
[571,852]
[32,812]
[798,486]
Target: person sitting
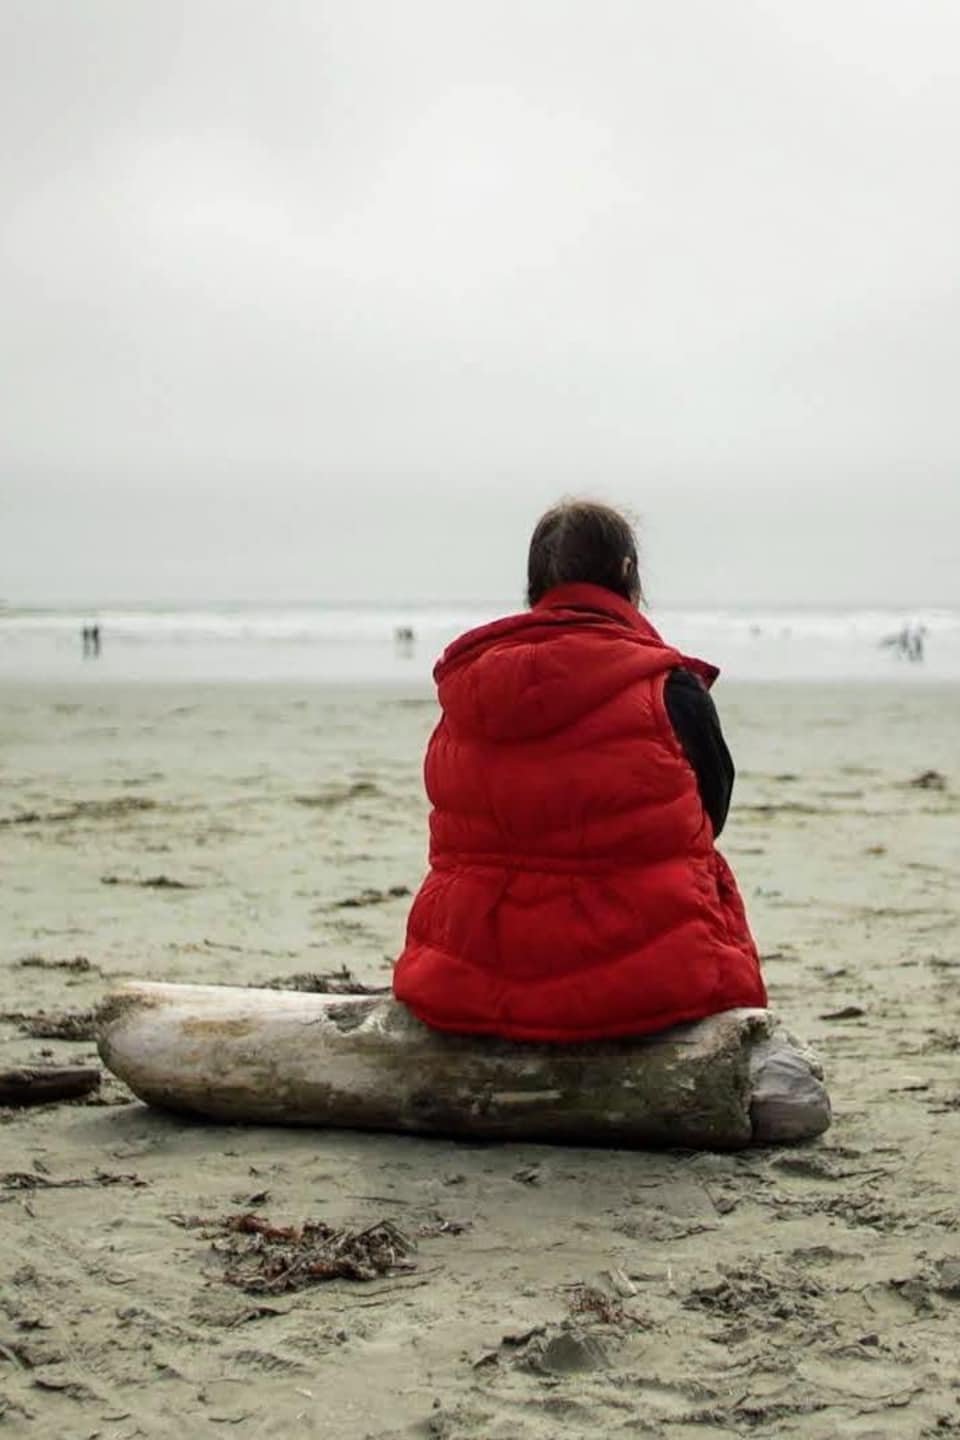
[578,778]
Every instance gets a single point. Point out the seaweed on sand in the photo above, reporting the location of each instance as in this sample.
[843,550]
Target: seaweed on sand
[325,982]
[266,1259]
[54,1025]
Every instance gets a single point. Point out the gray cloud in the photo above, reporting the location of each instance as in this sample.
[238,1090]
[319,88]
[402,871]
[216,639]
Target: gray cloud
[271,271]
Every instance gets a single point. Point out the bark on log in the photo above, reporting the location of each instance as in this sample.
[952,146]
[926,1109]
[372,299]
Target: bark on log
[41,1084]
[364,1062]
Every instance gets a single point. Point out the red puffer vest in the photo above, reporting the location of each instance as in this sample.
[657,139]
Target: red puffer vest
[574,890]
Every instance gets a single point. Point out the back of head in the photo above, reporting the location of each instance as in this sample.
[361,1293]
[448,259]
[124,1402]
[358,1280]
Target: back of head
[582,542]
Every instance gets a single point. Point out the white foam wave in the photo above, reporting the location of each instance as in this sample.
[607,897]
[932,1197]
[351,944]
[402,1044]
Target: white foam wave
[361,643]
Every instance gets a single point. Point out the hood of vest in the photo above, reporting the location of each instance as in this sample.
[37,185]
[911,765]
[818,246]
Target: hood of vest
[528,675]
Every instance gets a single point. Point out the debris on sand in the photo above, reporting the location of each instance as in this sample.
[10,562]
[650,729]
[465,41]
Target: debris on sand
[82,810]
[266,1259]
[528,1174]
[785,807]
[928,780]
[54,1024]
[438,1225]
[590,1302]
[79,964]
[338,795]
[324,982]
[371,897]
[152,882]
[28,1180]
[846,1012]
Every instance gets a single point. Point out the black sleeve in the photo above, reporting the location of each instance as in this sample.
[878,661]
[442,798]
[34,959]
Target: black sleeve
[694,718]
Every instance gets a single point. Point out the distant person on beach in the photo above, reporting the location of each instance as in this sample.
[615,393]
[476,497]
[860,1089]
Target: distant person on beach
[908,642]
[404,640]
[578,778]
[91,641]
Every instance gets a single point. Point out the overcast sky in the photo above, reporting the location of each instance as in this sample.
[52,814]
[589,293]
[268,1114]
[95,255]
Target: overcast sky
[328,298]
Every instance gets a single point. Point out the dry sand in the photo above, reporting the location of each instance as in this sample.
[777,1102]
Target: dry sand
[811,1292]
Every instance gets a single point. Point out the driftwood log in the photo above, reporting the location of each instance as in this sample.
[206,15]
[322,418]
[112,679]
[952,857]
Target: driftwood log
[364,1062]
[41,1084]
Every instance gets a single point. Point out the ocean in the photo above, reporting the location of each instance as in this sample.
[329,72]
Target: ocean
[397,644]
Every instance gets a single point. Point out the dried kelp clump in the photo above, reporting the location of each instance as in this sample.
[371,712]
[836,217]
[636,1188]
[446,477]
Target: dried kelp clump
[266,1259]
[324,982]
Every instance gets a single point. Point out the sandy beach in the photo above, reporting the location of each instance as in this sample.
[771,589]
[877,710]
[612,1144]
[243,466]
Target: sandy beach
[250,834]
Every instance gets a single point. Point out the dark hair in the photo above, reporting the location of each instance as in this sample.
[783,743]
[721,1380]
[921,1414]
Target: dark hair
[579,540]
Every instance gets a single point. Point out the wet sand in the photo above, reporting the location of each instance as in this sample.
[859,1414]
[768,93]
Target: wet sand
[245,834]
